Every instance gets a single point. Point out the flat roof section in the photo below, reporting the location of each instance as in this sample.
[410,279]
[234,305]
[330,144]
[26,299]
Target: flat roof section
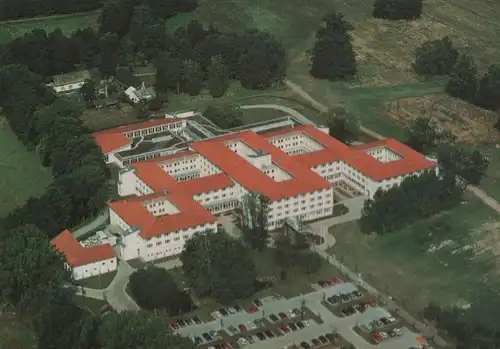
[152,142]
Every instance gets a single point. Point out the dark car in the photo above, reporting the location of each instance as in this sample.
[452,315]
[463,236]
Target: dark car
[206,336]
[242,328]
[238,308]
[269,334]
[198,340]
[305,345]
[274,318]
[257,302]
[224,312]
[316,342]
[181,323]
[293,327]
[196,320]
[300,325]
[385,321]
[331,337]
[218,346]
[322,283]
[261,336]
[323,339]
[233,329]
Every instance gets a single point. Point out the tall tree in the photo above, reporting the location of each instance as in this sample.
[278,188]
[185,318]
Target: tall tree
[255,210]
[193,77]
[218,266]
[463,79]
[62,59]
[424,133]
[342,125]
[218,77]
[397,9]
[108,58]
[115,17]
[435,57]
[488,92]
[224,115]
[469,164]
[88,90]
[333,56]
[154,288]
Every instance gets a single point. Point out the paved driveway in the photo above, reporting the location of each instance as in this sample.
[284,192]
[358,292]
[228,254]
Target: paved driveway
[344,326]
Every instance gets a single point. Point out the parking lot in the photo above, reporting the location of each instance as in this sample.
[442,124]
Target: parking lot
[304,321]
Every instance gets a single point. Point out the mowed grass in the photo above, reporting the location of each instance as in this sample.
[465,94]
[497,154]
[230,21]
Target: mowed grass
[21,174]
[67,23]
[450,258]
[15,334]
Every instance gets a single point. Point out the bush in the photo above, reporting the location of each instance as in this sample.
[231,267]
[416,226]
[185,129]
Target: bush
[436,57]
[397,9]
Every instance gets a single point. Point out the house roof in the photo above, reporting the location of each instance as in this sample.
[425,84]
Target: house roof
[78,255]
[71,78]
[358,158]
[114,138]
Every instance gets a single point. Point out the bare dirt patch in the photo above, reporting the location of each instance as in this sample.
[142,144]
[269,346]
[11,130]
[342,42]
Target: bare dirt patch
[468,123]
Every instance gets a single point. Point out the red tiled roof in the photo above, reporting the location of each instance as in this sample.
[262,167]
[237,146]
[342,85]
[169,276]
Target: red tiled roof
[78,255]
[113,139]
[303,179]
[356,157]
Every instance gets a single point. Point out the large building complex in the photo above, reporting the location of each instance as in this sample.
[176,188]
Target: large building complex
[177,173]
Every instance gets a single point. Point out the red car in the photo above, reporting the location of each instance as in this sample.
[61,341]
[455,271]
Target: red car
[377,338]
[174,325]
[285,329]
[283,315]
[371,303]
[252,309]
[242,328]
[316,342]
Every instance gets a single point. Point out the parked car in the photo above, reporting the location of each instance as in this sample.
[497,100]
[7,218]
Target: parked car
[331,337]
[398,331]
[206,336]
[217,314]
[273,318]
[198,340]
[305,345]
[261,336]
[291,313]
[376,338]
[223,311]
[181,323]
[269,334]
[196,320]
[307,323]
[316,342]
[284,329]
[282,315]
[242,328]
[384,335]
[233,329]
[189,322]
[322,283]
[250,340]
[259,322]
[174,325]
[238,308]
[252,309]
[257,302]
[231,311]
[391,319]
[293,327]
[251,325]
[242,341]
[300,324]
[323,340]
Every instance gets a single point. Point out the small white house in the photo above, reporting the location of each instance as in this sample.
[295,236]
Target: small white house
[70,82]
[142,94]
[85,262]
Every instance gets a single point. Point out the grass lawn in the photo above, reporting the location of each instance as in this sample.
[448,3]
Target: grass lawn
[93,305]
[449,258]
[99,282]
[22,176]
[15,334]
[67,23]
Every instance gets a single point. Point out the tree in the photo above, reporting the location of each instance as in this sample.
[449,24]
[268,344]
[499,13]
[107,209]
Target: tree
[140,329]
[311,262]
[224,115]
[342,125]
[162,8]
[218,266]
[435,57]
[488,91]
[108,57]
[469,164]
[262,61]
[88,90]
[417,197]
[397,9]
[333,56]
[30,265]
[218,77]
[154,288]
[254,220]
[423,134]
[115,17]
[463,79]
[192,82]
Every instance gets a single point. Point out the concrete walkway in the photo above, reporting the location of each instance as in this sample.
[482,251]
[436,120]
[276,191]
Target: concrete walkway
[102,219]
[479,193]
[289,111]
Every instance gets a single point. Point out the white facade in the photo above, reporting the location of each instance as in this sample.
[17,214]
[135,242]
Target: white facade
[94,269]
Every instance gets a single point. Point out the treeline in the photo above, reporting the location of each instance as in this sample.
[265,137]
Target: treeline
[472,328]
[52,126]
[34,282]
[417,197]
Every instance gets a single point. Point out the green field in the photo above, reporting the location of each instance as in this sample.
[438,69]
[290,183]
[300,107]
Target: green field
[67,23]
[22,175]
[461,263]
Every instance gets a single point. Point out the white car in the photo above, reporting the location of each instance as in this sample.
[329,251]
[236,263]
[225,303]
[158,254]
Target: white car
[383,335]
[242,341]
[231,311]
[251,325]
[398,331]
[217,314]
[211,347]
[291,313]
[307,323]
[391,319]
